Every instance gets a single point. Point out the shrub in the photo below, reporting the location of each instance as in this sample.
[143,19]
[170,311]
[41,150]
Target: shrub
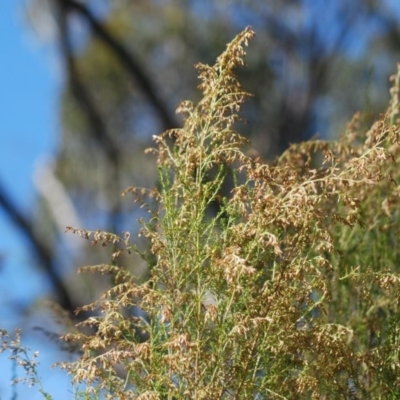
[289,291]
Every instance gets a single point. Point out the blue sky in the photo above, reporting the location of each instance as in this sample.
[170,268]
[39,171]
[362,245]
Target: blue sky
[28,101]
[28,127]
[30,86]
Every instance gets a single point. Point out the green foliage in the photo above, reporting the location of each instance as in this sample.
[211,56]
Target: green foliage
[289,291]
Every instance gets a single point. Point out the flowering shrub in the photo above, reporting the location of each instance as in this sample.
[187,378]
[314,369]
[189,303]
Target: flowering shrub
[289,291]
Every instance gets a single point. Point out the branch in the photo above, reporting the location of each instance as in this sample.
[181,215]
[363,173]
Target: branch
[132,66]
[43,253]
[81,94]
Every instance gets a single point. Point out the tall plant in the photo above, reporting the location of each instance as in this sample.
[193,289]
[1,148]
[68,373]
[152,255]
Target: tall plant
[269,297]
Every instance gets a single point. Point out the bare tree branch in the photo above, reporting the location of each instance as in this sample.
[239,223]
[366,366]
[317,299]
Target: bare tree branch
[96,121]
[43,253]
